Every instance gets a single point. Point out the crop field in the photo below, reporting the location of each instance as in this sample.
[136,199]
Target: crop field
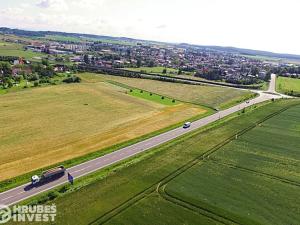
[211,96]
[252,180]
[48,125]
[11,49]
[136,193]
[286,85]
[271,148]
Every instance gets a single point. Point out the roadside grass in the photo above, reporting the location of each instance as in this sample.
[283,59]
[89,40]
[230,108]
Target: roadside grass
[107,194]
[45,126]
[238,100]
[209,96]
[287,85]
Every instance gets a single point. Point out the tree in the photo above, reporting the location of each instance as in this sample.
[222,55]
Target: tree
[72,79]
[151,63]
[86,59]
[138,63]
[45,62]
[5,68]
[164,71]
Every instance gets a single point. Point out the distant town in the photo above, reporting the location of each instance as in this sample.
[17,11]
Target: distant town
[58,54]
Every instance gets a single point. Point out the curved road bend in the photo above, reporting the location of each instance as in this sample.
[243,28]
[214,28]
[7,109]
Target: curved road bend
[25,191]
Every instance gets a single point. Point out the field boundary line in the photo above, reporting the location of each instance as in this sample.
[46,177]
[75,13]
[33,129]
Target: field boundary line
[195,208]
[260,173]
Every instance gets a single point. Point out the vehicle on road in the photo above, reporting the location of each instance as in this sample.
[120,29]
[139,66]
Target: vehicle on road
[248,102]
[48,175]
[186,125]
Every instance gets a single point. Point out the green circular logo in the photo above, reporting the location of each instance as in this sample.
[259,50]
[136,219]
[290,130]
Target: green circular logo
[5,214]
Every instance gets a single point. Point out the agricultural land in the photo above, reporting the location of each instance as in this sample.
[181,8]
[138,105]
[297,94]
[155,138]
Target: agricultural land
[46,125]
[210,96]
[288,85]
[182,182]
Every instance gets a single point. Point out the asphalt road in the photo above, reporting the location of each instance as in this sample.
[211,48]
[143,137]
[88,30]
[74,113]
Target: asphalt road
[23,192]
[272,85]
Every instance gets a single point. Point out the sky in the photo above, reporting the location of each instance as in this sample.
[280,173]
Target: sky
[271,25]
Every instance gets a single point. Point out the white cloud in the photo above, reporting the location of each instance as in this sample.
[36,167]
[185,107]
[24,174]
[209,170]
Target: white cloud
[53,5]
[43,4]
[259,24]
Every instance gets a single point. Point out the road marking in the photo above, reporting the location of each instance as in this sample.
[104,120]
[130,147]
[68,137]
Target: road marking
[81,169]
[14,195]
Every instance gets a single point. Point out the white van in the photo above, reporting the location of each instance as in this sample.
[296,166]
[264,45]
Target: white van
[186,125]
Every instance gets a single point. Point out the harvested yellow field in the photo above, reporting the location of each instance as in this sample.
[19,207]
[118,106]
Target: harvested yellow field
[44,126]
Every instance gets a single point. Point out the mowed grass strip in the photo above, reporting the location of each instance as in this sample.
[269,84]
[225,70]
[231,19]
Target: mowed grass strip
[144,171]
[152,97]
[211,96]
[45,126]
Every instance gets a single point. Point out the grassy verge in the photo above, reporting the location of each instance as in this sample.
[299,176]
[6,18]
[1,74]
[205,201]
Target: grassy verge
[104,197]
[238,100]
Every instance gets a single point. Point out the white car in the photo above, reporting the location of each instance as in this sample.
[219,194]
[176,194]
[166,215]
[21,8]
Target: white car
[186,125]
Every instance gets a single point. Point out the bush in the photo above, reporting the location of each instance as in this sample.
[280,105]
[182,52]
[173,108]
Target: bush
[52,195]
[63,189]
[173,100]
[43,199]
[162,97]
[150,94]
[36,83]
[131,90]
[73,79]
[142,91]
